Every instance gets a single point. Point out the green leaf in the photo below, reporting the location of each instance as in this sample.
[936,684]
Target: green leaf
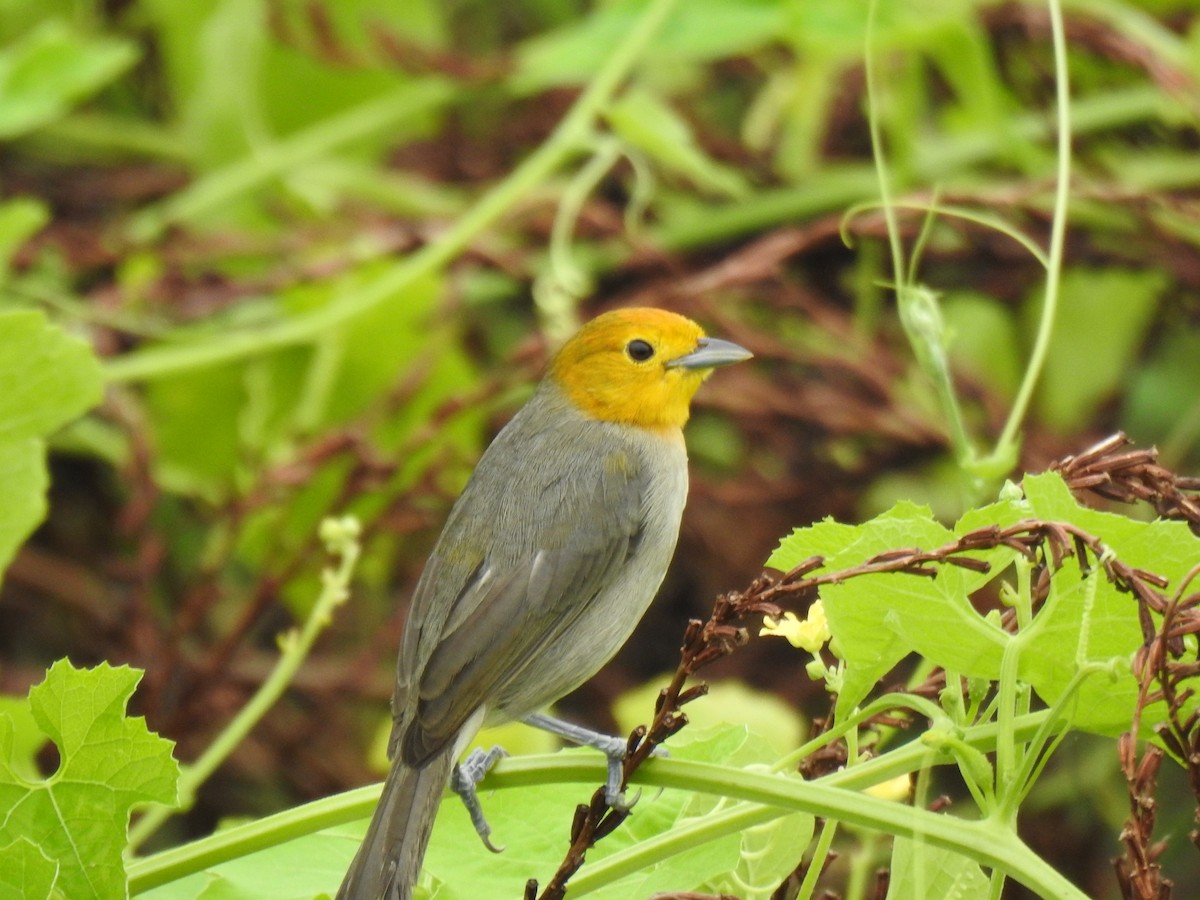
[727,703]
[26,872]
[919,870]
[294,870]
[1102,318]
[49,70]
[653,127]
[79,816]
[768,852]
[696,31]
[46,379]
[879,619]
[25,738]
[1068,630]
[20,219]
[534,822]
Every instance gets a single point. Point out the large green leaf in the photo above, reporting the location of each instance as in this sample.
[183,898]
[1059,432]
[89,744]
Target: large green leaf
[77,819]
[919,870]
[1086,618]
[877,620]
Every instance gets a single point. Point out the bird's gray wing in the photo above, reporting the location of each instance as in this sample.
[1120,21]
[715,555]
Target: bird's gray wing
[493,612]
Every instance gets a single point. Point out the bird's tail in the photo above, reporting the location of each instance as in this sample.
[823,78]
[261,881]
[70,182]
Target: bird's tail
[389,860]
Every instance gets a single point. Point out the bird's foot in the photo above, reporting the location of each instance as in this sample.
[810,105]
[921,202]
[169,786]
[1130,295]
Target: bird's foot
[614,749]
[463,781]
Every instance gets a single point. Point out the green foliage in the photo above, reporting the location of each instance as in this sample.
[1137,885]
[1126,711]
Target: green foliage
[46,379]
[752,861]
[649,125]
[1114,308]
[69,830]
[20,219]
[348,201]
[50,69]
[700,31]
[877,620]
[1073,652]
[920,871]
[26,872]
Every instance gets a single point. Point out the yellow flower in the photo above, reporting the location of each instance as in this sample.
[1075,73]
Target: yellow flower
[897,788]
[806,634]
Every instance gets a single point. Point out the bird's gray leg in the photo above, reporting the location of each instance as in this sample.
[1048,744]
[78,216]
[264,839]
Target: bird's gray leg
[614,749]
[463,780]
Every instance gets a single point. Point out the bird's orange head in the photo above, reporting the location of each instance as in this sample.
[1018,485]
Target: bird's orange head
[639,367]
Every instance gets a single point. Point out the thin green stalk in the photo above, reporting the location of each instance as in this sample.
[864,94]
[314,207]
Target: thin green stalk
[149,872]
[816,865]
[342,539]
[995,223]
[1006,691]
[996,885]
[1007,711]
[565,141]
[557,293]
[919,312]
[983,841]
[919,705]
[863,865]
[877,154]
[1023,605]
[734,819]
[1005,445]
[224,185]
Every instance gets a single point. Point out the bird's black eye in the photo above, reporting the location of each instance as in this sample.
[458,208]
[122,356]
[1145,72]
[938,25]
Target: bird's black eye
[639,350]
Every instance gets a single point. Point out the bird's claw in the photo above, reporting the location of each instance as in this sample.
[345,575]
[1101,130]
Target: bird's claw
[464,780]
[613,795]
[614,748]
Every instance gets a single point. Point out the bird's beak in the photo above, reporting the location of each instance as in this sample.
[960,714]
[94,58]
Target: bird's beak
[710,353]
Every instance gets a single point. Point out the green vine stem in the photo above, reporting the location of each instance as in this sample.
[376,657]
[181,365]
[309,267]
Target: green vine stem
[919,312]
[227,183]
[837,796]
[528,771]
[1006,444]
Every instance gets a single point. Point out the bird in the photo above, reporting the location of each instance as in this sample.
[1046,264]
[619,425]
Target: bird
[547,561]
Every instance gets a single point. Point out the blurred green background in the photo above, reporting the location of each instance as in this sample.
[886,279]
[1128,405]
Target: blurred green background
[324,249]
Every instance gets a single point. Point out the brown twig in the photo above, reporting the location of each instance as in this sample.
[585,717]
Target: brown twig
[1111,471]
[1162,665]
